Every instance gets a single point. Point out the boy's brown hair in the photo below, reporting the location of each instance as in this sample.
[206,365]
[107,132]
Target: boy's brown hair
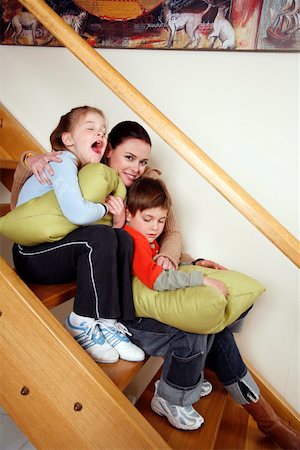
[147,193]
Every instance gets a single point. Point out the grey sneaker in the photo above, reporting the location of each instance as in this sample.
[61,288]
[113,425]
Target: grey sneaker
[206,388]
[182,417]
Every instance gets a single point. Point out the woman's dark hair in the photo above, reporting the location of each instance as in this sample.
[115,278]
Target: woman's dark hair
[127,130]
[147,193]
[67,123]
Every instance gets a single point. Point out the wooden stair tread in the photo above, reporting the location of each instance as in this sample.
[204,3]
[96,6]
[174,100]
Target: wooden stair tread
[239,431]
[122,372]
[210,407]
[52,295]
[11,149]
[4,209]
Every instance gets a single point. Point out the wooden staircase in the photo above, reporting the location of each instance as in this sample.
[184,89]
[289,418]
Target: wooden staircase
[227,425]
[60,378]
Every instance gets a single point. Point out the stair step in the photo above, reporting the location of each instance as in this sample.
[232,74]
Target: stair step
[239,431]
[52,295]
[11,146]
[122,372]
[210,407]
[4,209]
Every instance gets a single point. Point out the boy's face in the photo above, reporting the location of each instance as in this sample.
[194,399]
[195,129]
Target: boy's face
[149,222]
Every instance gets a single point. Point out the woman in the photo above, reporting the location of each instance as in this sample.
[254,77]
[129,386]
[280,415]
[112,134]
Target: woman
[185,354]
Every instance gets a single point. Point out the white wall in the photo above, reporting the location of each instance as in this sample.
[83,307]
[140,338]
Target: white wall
[240,108]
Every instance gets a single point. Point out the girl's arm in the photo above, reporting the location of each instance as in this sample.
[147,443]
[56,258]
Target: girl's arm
[65,184]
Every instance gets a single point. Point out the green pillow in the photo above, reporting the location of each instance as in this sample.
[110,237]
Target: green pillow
[199,309]
[41,219]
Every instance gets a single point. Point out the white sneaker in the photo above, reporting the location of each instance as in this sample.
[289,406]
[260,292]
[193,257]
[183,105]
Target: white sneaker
[115,335]
[206,388]
[182,417]
[87,333]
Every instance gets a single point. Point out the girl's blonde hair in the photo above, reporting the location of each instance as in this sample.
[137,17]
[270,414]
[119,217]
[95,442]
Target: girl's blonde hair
[67,123]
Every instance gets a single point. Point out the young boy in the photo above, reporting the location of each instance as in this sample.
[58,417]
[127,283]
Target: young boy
[147,206]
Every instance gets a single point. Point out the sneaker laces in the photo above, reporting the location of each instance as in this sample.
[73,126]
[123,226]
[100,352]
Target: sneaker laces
[121,328]
[118,326]
[93,329]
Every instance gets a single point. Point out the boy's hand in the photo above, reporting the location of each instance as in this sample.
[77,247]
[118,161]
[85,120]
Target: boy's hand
[116,207]
[210,264]
[165,263]
[40,167]
[217,284]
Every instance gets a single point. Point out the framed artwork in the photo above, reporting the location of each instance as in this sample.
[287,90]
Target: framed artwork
[265,25]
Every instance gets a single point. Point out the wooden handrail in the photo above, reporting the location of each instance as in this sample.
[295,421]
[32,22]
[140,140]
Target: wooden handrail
[171,134]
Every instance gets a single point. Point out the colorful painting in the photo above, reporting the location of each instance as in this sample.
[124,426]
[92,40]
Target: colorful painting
[168,24]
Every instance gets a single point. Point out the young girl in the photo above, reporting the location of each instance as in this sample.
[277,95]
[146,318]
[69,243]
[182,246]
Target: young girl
[185,354]
[97,256]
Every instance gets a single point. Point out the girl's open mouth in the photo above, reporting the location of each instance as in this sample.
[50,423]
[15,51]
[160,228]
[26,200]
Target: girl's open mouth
[97,146]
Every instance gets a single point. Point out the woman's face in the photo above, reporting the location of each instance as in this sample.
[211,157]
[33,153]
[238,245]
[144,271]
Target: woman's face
[129,159]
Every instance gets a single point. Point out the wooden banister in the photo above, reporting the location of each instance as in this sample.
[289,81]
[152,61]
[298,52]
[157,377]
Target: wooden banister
[172,135]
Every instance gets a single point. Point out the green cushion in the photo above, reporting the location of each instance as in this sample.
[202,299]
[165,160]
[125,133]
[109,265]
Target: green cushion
[199,309]
[41,219]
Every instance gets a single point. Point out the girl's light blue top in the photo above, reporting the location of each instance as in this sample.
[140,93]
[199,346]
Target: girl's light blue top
[65,185]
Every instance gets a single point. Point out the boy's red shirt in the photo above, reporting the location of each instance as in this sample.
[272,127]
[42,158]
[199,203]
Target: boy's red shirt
[143,265]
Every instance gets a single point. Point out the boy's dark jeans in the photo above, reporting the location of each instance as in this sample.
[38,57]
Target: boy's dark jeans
[186,355]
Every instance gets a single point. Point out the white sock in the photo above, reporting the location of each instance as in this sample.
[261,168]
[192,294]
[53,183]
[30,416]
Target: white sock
[79,318]
[108,321]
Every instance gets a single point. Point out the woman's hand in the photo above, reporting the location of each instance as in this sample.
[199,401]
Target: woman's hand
[209,264]
[40,167]
[217,284]
[115,206]
[165,263]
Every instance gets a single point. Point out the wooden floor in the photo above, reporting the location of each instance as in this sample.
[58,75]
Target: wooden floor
[227,425]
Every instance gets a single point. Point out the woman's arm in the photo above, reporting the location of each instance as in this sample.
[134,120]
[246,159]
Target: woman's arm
[171,239]
[20,176]
[31,163]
